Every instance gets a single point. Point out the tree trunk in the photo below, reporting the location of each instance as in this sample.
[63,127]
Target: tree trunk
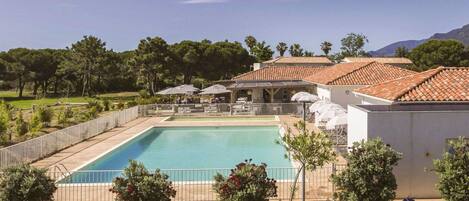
[35,87]
[20,87]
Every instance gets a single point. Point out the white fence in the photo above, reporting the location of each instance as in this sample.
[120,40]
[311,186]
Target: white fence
[40,147]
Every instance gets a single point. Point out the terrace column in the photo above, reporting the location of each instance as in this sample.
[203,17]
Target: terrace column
[272,93]
[233,96]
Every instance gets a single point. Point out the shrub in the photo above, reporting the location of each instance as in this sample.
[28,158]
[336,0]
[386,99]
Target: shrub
[453,171]
[91,113]
[120,105]
[247,181]
[4,119]
[96,104]
[21,126]
[129,104]
[139,184]
[64,115]
[143,93]
[26,183]
[368,176]
[43,115]
[106,104]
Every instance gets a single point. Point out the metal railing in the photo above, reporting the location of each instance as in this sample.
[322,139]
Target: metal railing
[224,109]
[192,185]
[40,147]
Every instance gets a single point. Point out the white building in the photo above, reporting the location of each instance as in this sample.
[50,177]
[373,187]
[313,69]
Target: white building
[337,82]
[416,115]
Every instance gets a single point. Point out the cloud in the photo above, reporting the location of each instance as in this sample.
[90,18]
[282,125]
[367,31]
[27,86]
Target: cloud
[203,1]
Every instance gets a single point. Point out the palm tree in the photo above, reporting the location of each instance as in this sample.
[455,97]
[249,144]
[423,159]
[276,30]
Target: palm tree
[250,42]
[296,50]
[326,47]
[282,48]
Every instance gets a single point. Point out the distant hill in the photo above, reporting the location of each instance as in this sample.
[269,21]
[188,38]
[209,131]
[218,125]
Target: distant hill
[461,34]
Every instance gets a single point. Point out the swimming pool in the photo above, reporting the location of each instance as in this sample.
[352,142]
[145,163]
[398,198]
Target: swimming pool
[180,150]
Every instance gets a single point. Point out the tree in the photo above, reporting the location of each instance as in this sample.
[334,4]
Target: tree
[326,47]
[16,62]
[262,52]
[24,182]
[251,42]
[311,149]
[282,48]
[224,60]
[353,45]
[190,57]
[247,181]
[401,52]
[308,54]
[88,56]
[434,53]
[296,50]
[152,60]
[453,172]
[138,184]
[368,175]
[43,66]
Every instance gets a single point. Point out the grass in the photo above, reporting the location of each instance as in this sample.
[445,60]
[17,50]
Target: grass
[28,100]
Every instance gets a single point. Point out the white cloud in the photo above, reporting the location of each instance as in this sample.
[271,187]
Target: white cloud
[203,1]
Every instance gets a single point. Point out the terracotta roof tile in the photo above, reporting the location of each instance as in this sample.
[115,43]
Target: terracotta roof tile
[279,73]
[435,85]
[358,73]
[385,60]
[299,60]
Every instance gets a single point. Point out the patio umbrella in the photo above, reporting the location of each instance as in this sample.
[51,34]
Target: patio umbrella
[182,89]
[337,121]
[308,98]
[215,89]
[330,112]
[315,106]
[329,106]
[296,96]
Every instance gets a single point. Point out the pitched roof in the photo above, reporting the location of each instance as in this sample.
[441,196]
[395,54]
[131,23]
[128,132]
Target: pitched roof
[436,85]
[279,73]
[358,73]
[299,60]
[385,60]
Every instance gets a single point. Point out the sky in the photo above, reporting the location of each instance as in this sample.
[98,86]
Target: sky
[122,23]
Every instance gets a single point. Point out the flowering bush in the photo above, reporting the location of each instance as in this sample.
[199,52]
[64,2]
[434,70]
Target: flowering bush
[26,183]
[138,184]
[368,176]
[247,182]
[453,171]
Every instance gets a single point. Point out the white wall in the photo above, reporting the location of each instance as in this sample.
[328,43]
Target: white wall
[371,101]
[342,95]
[419,135]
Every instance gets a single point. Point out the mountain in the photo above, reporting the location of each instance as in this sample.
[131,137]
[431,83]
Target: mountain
[461,34]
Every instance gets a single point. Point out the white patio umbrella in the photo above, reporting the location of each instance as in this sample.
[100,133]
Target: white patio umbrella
[337,121]
[316,105]
[309,98]
[329,106]
[296,96]
[215,89]
[330,113]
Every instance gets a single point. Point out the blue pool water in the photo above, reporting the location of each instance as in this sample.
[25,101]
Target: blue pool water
[213,149]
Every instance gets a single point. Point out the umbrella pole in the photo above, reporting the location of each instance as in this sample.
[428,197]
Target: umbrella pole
[303,173]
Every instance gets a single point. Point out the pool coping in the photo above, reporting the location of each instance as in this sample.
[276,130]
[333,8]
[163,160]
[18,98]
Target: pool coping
[295,164]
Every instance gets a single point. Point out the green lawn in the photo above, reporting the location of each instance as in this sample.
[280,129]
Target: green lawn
[27,101]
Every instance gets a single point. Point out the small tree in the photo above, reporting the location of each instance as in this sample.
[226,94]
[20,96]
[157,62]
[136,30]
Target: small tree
[247,181]
[64,115]
[4,119]
[21,126]
[453,171]
[139,184]
[368,176]
[26,183]
[311,149]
